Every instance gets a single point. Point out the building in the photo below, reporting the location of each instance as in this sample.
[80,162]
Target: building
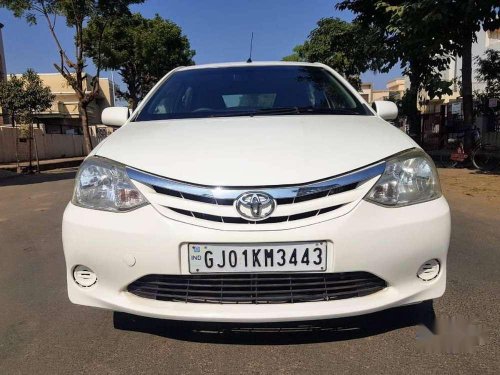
[394,91]
[64,117]
[397,88]
[370,95]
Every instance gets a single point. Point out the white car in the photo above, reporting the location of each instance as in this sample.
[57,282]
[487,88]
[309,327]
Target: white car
[255,192]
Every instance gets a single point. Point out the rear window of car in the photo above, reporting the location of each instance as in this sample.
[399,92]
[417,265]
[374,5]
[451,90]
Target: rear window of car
[249,91]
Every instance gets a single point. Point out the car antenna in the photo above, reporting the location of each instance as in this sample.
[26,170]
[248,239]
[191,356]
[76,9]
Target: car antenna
[251,45]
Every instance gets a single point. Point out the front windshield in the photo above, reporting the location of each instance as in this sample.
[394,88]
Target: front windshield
[250,91]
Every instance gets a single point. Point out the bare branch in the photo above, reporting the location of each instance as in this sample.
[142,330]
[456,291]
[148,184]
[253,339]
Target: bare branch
[51,25]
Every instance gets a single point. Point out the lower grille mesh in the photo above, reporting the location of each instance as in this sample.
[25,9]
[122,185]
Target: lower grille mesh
[257,288]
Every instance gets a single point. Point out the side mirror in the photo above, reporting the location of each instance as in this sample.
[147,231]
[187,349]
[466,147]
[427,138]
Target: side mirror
[385,109]
[115,116]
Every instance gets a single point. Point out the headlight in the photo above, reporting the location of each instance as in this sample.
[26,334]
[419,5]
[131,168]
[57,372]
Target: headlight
[409,178]
[104,185]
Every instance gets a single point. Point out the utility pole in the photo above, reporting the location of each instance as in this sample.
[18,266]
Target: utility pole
[113,88]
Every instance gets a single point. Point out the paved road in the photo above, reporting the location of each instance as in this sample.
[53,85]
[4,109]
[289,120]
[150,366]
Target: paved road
[42,332]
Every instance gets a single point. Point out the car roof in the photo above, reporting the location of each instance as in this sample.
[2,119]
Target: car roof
[246,64]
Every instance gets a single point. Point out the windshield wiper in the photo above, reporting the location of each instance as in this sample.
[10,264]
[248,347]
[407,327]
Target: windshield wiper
[286,111]
[277,111]
[328,111]
[305,110]
[257,112]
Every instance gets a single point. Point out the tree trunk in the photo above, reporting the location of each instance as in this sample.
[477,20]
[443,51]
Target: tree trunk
[134,102]
[413,112]
[467,82]
[133,95]
[30,146]
[87,141]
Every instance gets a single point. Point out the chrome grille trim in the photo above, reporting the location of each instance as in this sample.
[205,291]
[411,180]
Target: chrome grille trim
[283,194]
[240,220]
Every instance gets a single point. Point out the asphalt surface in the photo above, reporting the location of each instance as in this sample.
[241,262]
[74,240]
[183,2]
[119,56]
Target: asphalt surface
[41,332]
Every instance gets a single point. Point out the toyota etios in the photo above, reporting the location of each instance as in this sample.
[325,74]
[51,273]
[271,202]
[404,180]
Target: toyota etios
[254,192]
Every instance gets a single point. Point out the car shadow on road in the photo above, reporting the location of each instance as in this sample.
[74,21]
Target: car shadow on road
[288,333]
[28,179]
[495,172]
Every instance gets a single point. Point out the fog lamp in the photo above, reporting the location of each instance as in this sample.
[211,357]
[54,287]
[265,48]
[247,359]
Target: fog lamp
[429,270]
[84,276]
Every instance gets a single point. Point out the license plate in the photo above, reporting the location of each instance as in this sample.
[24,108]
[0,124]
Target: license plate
[277,257]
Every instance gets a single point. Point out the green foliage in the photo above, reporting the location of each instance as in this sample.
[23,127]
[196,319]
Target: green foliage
[12,96]
[412,39]
[410,36]
[142,50]
[297,55]
[425,33]
[24,97]
[73,11]
[488,71]
[457,24]
[76,14]
[458,21]
[344,46]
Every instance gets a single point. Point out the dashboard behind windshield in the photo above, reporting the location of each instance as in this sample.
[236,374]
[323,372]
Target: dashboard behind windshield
[250,91]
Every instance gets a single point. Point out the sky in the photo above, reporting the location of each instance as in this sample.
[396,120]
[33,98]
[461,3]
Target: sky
[219,31]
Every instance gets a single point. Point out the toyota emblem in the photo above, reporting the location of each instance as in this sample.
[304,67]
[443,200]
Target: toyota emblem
[255,205]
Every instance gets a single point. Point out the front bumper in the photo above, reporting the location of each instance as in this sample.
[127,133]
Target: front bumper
[391,243]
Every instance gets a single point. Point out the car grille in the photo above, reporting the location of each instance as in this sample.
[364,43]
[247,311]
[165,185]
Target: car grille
[194,203]
[239,220]
[257,288]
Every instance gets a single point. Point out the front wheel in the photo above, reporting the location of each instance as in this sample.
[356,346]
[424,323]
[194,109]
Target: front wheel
[486,157]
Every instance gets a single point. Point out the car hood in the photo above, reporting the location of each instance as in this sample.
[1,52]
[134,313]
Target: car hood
[254,151]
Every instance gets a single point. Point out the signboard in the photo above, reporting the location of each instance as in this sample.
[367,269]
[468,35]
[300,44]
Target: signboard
[456,108]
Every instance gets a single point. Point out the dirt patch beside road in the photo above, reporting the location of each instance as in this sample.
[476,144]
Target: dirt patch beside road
[471,185]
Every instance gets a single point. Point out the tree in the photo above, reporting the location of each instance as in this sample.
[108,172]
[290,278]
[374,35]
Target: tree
[23,98]
[460,21]
[142,50]
[344,46]
[37,97]
[445,27]
[76,14]
[12,97]
[413,40]
[488,71]
[299,54]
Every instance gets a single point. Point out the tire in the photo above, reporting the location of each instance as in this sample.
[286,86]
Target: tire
[442,159]
[486,157]
[448,163]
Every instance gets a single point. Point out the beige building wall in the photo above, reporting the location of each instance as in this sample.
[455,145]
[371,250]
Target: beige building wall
[395,89]
[380,95]
[366,91]
[64,117]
